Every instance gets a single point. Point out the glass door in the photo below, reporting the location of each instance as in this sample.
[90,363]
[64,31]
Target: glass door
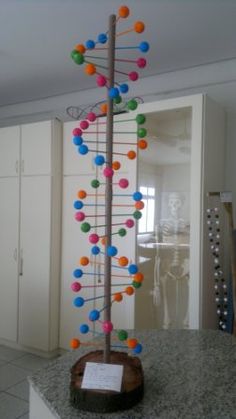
[163,233]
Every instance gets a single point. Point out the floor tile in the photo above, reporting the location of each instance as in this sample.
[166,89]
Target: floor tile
[11,375]
[9,354]
[12,407]
[31,362]
[20,390]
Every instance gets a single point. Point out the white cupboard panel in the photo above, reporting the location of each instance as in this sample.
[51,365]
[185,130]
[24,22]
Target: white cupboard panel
[36,148]
[125,139]
[74,245]
[35,262]
[73,162]
[10,149]
[30,233]
[9,208]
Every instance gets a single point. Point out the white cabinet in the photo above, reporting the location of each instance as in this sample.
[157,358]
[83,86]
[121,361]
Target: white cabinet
[30,247]
[10,151]
[34,276]
[9,228]
[187,142]
[74,246]
[78,172]
[193,127]
[36,157]
[73,162]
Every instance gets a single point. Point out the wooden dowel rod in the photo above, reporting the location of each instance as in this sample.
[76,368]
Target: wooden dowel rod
[109,140]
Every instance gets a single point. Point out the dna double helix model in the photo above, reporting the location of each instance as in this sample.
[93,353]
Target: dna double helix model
[101,135]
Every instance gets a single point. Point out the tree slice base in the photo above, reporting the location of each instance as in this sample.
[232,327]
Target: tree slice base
[103,401]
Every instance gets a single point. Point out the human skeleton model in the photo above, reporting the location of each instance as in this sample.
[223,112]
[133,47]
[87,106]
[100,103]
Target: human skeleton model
[171,267]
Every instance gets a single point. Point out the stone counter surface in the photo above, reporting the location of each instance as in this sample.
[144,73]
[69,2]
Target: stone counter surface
[188,375]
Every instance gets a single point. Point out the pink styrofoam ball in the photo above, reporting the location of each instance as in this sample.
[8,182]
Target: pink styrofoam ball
[107,327]
[93,238]
[129,223]
[133,75]
[76,286]
[84,124]
[101,80]
[91,116]
[77,132]
[123,183]
[79,216]
[141,62]
[108,172]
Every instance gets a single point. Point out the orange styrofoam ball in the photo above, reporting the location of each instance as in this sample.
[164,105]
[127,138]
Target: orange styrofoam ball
[123,261]
[139,205]
[118,297]
[116,165]
[84,260]
[132,343]
[90,69]
[81,194]
[80,48]
[104,241]
[123,12]
[142,144]
[139,27]
[103,107]
[131,155]
[74,343]
[129,290]
[138,277]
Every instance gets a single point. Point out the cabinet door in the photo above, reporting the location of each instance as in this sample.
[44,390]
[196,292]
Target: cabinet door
[34,280]
[36,148]
[9,150]
[74,245]
[73,162]
[125,139]
[9,209]
[172,254]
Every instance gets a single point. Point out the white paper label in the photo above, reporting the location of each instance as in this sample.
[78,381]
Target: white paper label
[99,376]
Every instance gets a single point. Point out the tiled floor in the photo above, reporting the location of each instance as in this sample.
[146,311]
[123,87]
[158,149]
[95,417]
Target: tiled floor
[15,366]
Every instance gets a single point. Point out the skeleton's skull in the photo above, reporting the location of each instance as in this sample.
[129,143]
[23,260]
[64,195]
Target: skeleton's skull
[175,202]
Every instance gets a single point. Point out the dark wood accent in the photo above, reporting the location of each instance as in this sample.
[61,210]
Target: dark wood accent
[103,400]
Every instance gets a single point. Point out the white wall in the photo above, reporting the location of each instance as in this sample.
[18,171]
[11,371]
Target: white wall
[217,79]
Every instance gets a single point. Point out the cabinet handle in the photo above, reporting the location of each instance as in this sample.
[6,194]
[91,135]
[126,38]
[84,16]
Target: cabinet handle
[21,264]
[99,274]
[99,280]
[22,166]
[15,254]
[17,166]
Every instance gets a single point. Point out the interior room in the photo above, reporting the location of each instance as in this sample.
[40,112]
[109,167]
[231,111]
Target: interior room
[180,159]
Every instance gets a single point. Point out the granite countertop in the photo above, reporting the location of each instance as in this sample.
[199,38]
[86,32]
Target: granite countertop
[188,374]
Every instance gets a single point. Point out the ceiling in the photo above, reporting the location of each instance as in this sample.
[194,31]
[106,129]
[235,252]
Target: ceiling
[37,36]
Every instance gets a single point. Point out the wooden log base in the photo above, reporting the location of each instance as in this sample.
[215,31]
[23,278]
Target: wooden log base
[103,401]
